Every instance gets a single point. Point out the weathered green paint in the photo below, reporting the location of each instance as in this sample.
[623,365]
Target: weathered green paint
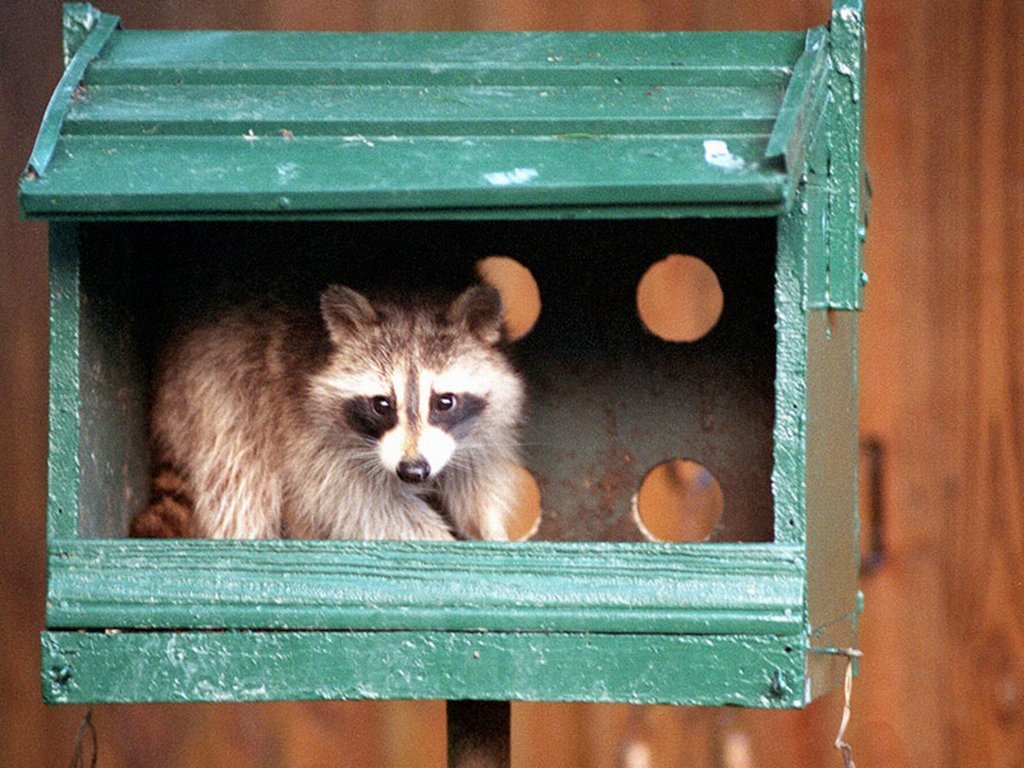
[803,106]
[78,21]
[832,430]
[272,174]
[761,671]
[814,225]
[113,392]
[63,458]
[567,112]
[578,586]
[847,174]
[100,29]
[818,348]
[510,129]
[789,451]
[200,123]
[482,58]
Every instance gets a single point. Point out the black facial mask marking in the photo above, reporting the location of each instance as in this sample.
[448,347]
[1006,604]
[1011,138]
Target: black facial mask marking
[361,416]
[457,419]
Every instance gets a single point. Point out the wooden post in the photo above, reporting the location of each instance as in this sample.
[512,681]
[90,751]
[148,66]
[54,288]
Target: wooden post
[478,734]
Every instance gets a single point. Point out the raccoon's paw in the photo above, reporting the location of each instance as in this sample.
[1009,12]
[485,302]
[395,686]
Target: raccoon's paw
[423,523]
[424,527]
[492,529]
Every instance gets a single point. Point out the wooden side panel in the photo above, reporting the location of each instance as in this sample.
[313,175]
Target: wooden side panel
[831,491]
[64,401]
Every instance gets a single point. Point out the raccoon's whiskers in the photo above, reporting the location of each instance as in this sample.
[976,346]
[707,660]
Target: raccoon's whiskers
[369,463]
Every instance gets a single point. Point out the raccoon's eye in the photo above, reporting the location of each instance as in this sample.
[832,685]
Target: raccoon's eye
[444,402]
[381,405]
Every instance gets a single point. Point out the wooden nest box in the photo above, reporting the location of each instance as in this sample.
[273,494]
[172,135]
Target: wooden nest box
[686,211]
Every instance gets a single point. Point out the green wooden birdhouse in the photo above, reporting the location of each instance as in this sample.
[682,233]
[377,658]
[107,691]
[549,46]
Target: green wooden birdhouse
[721,172]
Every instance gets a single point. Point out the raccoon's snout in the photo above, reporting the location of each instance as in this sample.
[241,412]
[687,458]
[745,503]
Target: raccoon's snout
[413,471]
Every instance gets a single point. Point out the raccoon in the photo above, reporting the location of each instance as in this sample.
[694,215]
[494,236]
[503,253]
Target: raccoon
[370,419]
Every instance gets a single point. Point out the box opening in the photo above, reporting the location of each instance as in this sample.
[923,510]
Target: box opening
[650,365]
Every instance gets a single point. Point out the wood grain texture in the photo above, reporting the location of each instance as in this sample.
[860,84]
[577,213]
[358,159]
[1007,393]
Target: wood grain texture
[941,385]
[23,369]
[986,530]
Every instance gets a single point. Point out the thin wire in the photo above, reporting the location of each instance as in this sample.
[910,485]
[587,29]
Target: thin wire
[845,749]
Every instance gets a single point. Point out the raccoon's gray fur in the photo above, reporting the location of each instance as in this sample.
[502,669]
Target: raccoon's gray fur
[365,420]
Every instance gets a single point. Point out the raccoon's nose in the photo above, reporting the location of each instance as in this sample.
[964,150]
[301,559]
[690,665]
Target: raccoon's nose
[413,471]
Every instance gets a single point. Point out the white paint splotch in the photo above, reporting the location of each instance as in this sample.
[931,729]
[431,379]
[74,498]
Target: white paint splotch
[511,178]
[716,152]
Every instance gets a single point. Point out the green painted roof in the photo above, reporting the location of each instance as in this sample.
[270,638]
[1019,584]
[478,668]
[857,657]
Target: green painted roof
[157,123]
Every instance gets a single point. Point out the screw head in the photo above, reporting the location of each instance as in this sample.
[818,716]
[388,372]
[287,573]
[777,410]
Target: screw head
[778,688]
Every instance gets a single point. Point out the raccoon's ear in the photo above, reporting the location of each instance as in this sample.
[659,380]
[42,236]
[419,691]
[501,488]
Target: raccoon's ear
[480,310]
[344,311]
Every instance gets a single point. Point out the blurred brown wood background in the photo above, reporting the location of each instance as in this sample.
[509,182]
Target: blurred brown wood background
[942,362]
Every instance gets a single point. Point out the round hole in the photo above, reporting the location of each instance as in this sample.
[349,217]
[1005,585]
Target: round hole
[679,298]
[678,500]
[518,289]
[524,519]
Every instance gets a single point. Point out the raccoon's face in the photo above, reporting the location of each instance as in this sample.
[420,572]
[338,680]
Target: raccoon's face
[416,421]
[418,386]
